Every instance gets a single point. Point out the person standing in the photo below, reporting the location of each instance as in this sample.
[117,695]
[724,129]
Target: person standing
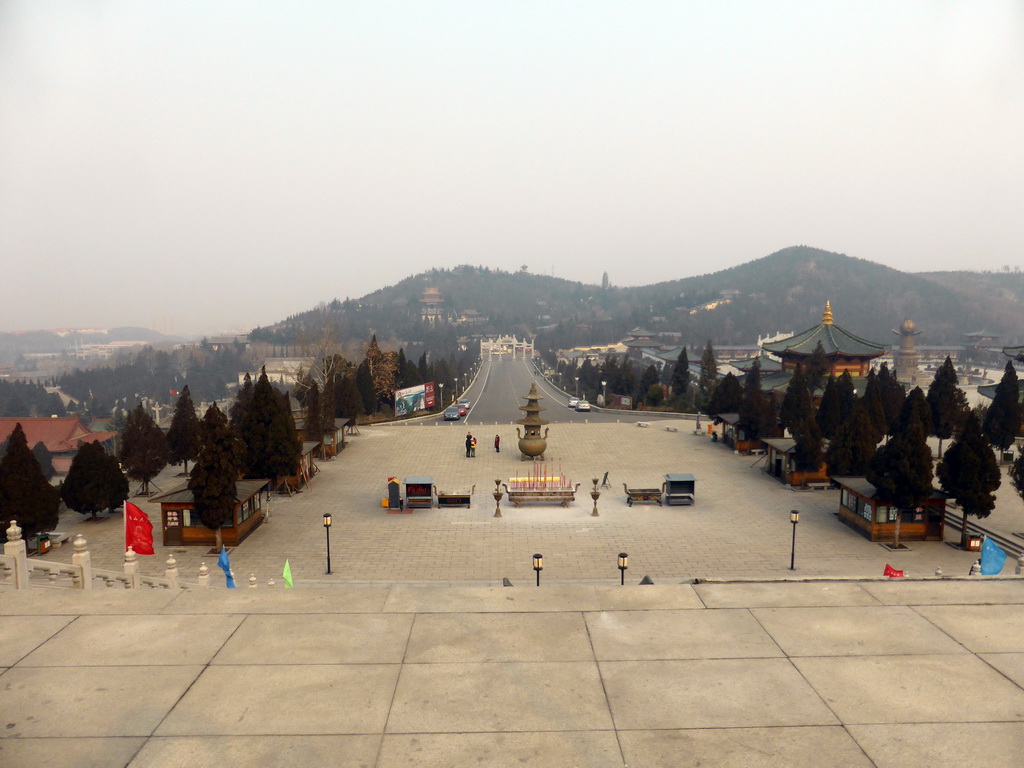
[472,447]
[469,444]
[497,443]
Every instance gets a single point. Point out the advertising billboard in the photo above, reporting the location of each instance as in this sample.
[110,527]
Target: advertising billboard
[422,397]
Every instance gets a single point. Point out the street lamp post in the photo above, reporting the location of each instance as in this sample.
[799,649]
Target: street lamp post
[441,385]
[794,518]
[577,386]
[538,566]
[604,393]
[327,528]
[623,565]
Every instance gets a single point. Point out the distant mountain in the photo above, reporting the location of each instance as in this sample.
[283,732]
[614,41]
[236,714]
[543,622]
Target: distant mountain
[785,291]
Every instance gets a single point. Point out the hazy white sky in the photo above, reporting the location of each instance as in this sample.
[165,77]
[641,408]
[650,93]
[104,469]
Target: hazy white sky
[198,166]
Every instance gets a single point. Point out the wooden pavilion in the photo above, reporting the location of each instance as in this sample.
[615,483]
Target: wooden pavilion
[845,351]
[181,525]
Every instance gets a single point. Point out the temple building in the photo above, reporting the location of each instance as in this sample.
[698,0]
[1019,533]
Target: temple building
[431,305]
[845,351]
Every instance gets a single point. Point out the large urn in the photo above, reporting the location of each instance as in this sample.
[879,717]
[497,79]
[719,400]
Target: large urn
[531,443]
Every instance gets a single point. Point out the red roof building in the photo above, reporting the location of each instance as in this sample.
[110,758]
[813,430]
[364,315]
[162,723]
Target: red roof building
[62,436]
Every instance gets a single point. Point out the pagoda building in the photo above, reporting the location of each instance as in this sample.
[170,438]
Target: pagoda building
[431,305]
[845,351]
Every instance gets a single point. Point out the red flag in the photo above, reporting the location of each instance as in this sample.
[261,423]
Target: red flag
[175,392]
[138,531]
[891,572]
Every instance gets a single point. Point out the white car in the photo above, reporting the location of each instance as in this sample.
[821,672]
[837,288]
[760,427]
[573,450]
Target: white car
[573,402]
[582,405]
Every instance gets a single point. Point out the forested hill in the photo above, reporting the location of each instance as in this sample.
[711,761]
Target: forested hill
[785,291]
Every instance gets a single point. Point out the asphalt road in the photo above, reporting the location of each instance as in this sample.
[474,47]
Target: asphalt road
[501,388]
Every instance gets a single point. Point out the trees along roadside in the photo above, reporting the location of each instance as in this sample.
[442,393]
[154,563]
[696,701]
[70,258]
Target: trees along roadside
[217,468]
[1002,419]
[268,431]
[970,473]
[25,495]
[94,482]
[144,449]
[680,381]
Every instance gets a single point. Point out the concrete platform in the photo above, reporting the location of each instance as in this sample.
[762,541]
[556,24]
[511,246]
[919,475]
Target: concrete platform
[752,674]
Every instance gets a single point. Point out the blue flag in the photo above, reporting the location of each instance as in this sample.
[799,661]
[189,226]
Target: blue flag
[222,561]
[992,558]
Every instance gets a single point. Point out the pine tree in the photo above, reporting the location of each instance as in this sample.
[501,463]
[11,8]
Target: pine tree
[893,395]
[796,405]
[830,412]
[314,419]
[241,405]
[1002,420]
[350,404]
[647,381]
[901,470]
[627,378]
[364,383]
[218,465]
[817,367]
[873,406]
[970,474]
[808,443]
[708,373]
[183,435]
[94,482]
[851,450]
[915,408]
[327,405]
[753,407]
[25,496]
[847,393]
[946,401]
[45,459]
[681,378]
[144,449]
[726,397]
[424,369]
[271,444]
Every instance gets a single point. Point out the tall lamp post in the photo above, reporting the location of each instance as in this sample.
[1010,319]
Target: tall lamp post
[327,528]
[441,385]
[577,386]
[538,566]
[623,565]
[604,393]
[794,518]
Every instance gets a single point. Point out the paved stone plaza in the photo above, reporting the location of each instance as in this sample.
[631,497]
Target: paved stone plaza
[411,654]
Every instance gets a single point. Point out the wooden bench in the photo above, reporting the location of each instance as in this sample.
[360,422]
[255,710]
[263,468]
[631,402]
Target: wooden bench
[642,495]
[563,496]
[455,498]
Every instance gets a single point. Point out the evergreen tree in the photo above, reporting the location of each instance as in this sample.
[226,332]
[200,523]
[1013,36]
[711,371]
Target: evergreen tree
[893,396]
[350,403]
[212,480]
[901,469]
[817,367]
[364,383]
[627,378]
[144,449]
[830,412]
[970,474]
[183,435]
[915,408]
[327,406]
[796,405]
[648,381]
[726,397]
[423,368]
[241,405]
[851,450]
[313,416]
[25,496]
[1002,420]
[808,443]
[271,444]
[45,459]
[680,381]
[753,406]
[708,373]
[873,406]
[847,393]
[946,401]
[94,481]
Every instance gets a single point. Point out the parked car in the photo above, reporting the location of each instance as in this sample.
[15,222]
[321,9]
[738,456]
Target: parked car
[463,410]
[465,403]
[573,401]
[582,405]
[452,414]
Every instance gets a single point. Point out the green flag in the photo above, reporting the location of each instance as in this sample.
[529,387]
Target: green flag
[287,575]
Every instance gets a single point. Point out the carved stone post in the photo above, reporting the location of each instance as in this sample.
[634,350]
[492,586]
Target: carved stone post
[15,547]
[131,568]
[497,497]
[595,495]
[171,573]
[252,581]
[204,576]
[83,560]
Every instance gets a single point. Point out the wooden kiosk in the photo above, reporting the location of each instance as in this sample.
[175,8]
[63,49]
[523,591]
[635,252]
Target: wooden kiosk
[861,508]
[181,525]
[679,489]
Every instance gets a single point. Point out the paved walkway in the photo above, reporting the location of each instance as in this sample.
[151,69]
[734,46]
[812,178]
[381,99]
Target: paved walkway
[838,674]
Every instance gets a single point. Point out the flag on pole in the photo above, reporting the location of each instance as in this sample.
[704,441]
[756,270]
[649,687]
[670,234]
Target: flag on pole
[175,392]
[225,565]
[891,572]
[138,531]
[992,557]
[287,575]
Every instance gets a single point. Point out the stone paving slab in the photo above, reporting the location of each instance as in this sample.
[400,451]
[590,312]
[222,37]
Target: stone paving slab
[325,639]
[354,600]
[961,591]
[949,688]
[783,594]
[247,751]
[136,640]
[1010,664]
[589,749]
[294,699]
[718,693]
[718,634]
[981,628]
[509,696]
[427,598]
[942,745]
[76,602]
[862,631]
[83,752]
[89,701]
[806,747]
[482,637]
[20,635]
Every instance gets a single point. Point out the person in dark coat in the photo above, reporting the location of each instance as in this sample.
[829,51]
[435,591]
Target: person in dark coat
[469,443]
[497,443]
